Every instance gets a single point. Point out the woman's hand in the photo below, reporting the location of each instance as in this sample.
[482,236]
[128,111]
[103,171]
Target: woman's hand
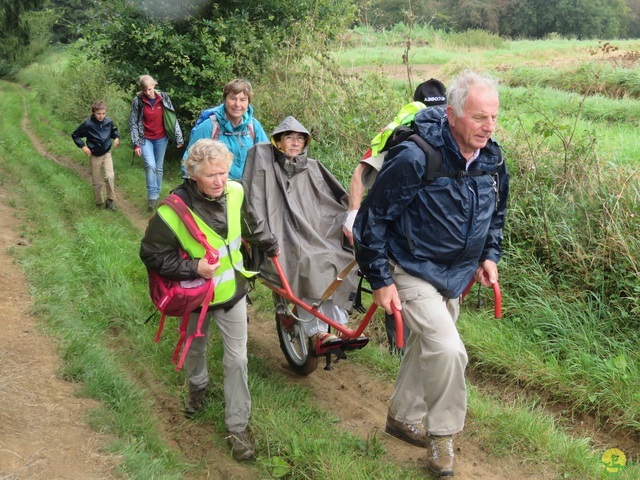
[138,151]
[206,269]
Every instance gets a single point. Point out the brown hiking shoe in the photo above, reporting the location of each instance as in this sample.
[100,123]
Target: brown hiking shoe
[415,434]
[241,446]
[441,455]
[111,205]
[195,403]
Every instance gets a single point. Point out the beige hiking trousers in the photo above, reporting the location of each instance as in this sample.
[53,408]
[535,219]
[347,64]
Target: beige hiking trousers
[430,386]
[100,182]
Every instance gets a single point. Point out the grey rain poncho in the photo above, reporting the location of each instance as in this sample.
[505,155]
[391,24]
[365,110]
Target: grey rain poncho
[300,203]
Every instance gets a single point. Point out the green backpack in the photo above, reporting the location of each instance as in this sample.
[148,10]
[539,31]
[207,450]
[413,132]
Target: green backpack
[169,119]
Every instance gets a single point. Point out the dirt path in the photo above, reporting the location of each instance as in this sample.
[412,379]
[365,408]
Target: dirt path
[42,422]
[43,429]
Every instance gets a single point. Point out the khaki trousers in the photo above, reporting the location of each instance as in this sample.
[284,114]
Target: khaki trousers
[100,182]
[430,386]
[233,331]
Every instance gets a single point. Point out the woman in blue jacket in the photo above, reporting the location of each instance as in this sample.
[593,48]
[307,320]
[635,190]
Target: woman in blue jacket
[232,123]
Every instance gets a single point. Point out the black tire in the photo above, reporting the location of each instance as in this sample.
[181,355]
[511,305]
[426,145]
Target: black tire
[295,345]
[390,327]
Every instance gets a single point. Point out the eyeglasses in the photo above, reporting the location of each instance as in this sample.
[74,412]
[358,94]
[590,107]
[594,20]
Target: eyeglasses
[295,136]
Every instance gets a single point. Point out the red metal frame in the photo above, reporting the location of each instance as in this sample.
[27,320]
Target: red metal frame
[347,333]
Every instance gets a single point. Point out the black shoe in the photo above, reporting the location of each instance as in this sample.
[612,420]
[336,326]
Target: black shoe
[110,204]
[195,403]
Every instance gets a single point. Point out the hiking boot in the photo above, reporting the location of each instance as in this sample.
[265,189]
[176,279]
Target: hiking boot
[241,446]
[111,205]
[100,206]
[195,403]
[415,434]
[440,461]
[152,204]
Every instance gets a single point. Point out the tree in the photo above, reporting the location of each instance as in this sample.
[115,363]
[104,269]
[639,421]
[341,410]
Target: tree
[14,34]
[192,55]
[476,14]
[11,11]
[385,13]
[72,16]
[579,18]
[630,24]
[517,18]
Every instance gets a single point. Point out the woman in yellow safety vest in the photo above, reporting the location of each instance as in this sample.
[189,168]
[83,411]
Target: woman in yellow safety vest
[216,204]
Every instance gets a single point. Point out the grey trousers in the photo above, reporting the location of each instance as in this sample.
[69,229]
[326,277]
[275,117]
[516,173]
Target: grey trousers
[313,325]
[430,386]
[233,330]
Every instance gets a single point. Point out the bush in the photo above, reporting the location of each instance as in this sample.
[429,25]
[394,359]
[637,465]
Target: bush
[474,38]
[70,83]
[193,56]
[17,52]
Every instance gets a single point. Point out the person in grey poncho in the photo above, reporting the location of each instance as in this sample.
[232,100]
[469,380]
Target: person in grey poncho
[295,199]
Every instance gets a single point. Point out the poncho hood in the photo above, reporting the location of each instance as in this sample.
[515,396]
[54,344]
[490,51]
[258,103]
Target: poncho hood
[290,124]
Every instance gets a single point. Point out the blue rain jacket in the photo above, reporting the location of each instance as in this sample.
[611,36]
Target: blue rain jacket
[438,231]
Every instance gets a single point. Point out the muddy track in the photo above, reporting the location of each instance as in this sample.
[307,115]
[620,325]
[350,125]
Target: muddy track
[356,396]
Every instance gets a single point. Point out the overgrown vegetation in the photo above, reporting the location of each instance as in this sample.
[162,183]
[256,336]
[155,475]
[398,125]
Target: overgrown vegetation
[194,49]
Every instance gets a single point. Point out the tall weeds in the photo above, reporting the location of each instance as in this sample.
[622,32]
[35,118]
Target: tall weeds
[342,111]
[575,212]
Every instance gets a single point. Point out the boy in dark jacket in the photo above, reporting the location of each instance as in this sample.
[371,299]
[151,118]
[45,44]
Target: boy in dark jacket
[98,130]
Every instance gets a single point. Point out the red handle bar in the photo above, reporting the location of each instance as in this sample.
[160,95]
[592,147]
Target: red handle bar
[399,327]
[497,297]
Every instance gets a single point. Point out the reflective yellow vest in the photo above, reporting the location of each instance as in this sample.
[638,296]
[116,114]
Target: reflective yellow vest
[228,248]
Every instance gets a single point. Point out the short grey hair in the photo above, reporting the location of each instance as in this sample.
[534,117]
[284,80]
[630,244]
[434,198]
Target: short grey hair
[207,151]
[460,86]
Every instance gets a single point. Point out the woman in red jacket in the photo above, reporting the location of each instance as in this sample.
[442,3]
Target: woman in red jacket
[148,135]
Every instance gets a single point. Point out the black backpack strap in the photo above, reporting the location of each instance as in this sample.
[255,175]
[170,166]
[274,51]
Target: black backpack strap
[433,158]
